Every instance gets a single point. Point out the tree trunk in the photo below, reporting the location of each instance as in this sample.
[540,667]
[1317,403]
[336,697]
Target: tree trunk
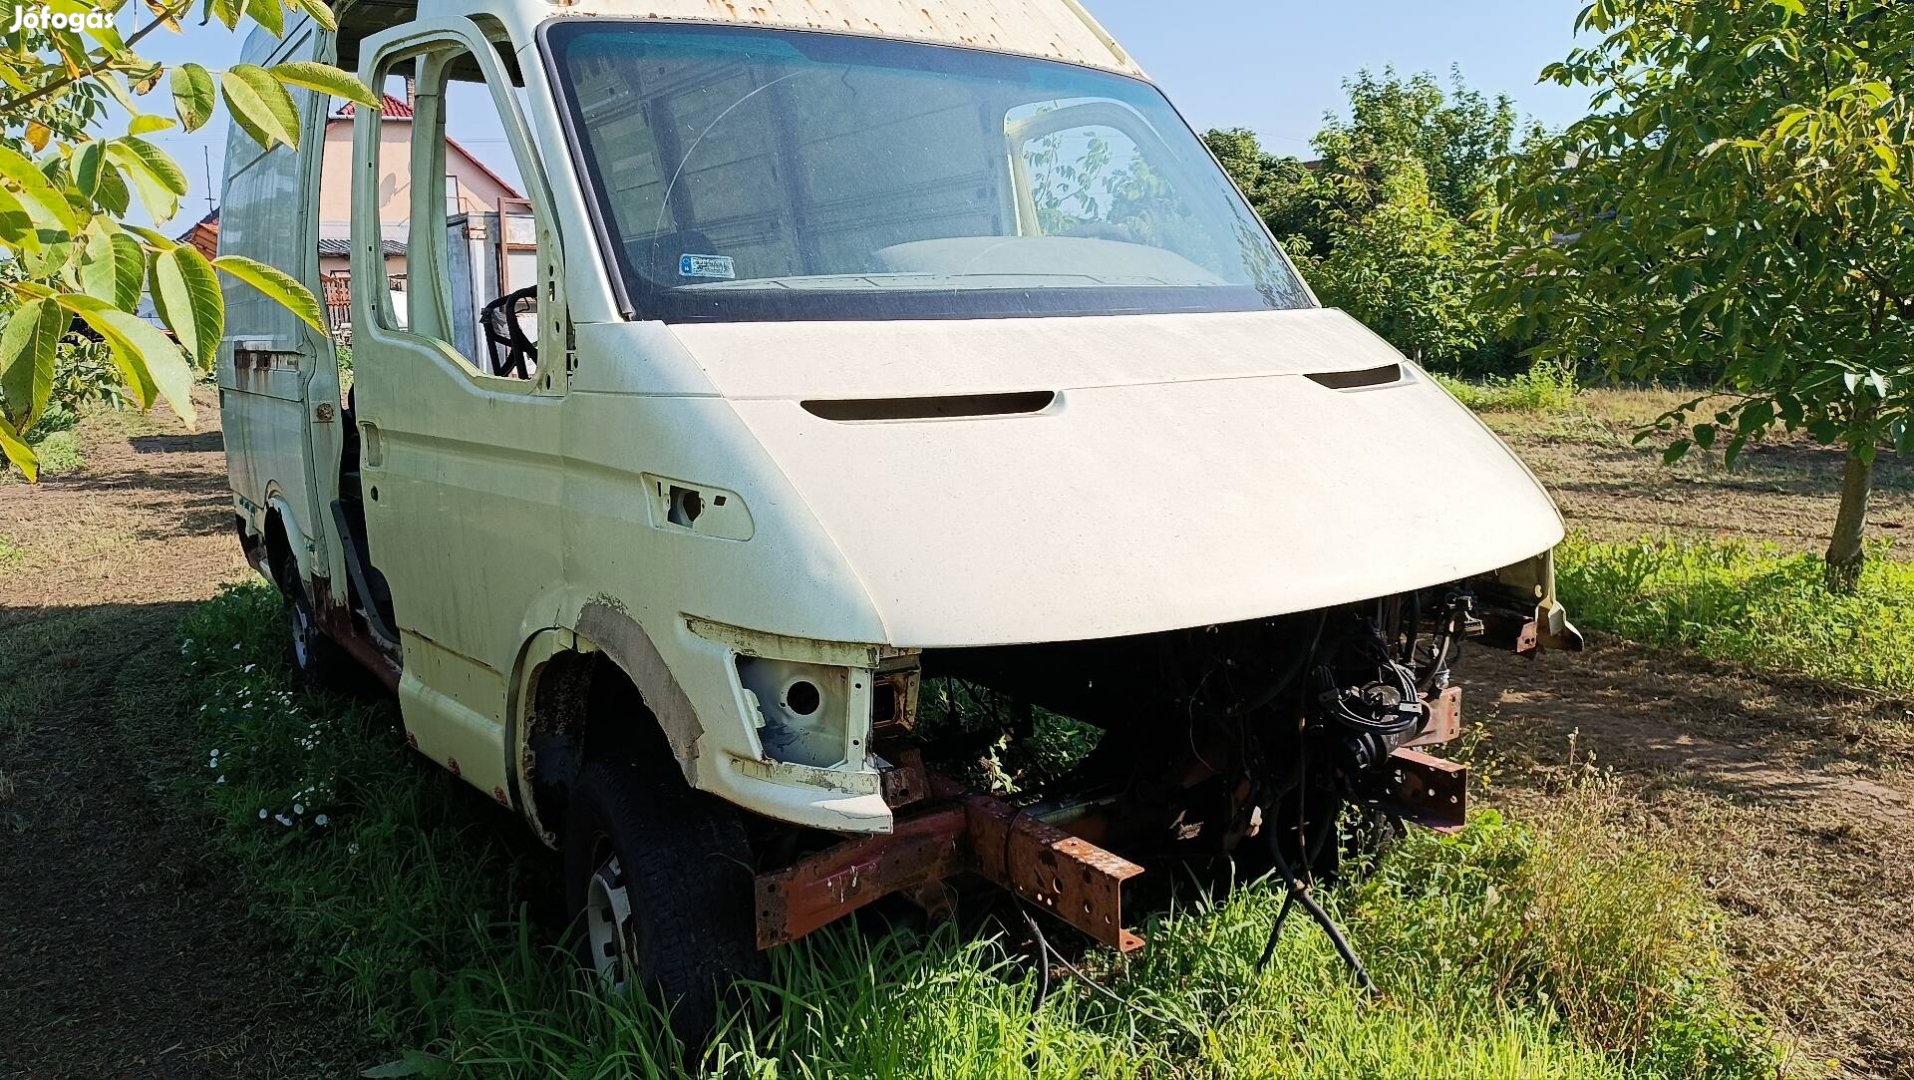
[1845,553]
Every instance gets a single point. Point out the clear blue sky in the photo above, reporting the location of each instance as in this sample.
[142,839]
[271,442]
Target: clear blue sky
[1274,66]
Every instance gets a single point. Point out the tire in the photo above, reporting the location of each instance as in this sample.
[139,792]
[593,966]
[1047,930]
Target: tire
[320,662]
[659,881]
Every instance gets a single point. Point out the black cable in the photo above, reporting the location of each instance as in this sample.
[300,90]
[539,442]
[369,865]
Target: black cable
[1311,847]
[1045,949]
[1043,963]
[1323,920]
[1275,931]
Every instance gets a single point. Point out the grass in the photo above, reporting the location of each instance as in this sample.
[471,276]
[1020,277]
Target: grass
[59,453]
[1544,388]
[57,450]
[1553,947]
[1753,604]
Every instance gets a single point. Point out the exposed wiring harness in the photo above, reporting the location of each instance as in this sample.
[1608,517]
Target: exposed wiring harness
[1047,952]
[1298,893]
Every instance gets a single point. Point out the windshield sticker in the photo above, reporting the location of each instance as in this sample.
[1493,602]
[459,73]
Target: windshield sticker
[706,266]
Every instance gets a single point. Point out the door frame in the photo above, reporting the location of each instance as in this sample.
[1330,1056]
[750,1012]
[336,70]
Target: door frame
[371,308]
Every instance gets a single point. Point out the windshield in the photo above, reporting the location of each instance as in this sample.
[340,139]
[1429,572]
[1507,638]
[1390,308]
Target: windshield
[746,174]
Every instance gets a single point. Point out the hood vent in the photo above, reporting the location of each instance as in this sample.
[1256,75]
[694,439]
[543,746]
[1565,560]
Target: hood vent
[1356,380]
[853,410]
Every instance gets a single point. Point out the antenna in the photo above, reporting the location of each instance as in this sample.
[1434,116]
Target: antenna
[206,157]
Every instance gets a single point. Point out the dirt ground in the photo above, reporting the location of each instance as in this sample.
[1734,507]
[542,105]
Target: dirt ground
[124,953]
[1791,801]
[1783,489]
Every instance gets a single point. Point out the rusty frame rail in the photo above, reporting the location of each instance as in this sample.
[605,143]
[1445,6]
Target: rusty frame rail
[1069,877]
[1428,790]
[823,887]
[1073,879]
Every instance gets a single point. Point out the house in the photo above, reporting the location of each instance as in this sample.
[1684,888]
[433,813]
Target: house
[471,187]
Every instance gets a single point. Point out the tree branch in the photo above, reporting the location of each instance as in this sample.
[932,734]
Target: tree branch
[171,14]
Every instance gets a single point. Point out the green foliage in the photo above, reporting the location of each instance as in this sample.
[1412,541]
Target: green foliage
[1458,139]
[58,451]
[1282,190]
[84,379]
[1750,604]
[1386,222]
[1734,211]
[1561,950]
[1406,269]
[1544,388]
[1015,748]
[66,188]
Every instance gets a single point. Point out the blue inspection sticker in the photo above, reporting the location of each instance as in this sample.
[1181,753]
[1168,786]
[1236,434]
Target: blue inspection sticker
[706,266]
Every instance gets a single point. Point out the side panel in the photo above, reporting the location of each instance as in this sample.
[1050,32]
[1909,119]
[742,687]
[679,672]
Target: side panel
[269,359]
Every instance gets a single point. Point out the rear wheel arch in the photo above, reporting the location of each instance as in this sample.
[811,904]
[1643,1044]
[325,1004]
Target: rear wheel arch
[285,541]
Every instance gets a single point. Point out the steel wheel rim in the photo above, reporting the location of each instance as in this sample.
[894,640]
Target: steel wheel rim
[301,635]
[608,925]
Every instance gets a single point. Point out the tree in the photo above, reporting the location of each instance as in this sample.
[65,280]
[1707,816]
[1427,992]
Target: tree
[1734,210]
[1386,223]
[1282,190]
[1459,139]
[1406,269]
[66,187]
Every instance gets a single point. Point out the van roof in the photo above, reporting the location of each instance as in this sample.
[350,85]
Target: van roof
[1052,29]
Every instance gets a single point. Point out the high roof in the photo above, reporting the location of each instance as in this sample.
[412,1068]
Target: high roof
[1053,29]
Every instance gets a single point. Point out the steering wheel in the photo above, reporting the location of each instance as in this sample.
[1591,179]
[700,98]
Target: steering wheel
[512,353]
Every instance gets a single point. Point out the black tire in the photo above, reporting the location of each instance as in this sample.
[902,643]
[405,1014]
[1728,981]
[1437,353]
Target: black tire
[318,659]
[684,862]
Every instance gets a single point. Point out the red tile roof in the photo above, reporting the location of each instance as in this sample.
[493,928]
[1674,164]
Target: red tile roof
[389,107]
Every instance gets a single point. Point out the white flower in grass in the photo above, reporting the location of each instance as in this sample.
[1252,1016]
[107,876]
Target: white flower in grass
[262,813]
[352,848]
[221,780]
[322,821]
[299,808]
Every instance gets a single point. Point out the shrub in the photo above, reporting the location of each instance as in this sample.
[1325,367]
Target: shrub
[59,451]
[1543,388]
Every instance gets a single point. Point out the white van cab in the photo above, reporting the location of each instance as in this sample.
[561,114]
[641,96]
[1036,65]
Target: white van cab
[882,448]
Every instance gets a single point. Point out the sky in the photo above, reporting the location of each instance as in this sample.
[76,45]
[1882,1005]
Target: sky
[1273,66]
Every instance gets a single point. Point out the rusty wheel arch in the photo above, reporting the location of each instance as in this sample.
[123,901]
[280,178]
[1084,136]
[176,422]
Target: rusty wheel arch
[575,700]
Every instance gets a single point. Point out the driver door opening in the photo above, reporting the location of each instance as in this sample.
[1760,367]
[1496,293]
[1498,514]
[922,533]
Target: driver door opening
[459,264]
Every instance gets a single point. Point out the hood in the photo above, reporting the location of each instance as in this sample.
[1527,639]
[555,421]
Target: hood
[1096,477]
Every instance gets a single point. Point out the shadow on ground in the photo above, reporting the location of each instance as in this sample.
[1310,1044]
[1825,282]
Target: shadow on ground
[123,952]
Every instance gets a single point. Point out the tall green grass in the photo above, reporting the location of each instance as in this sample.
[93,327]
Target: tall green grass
[1544,388]
[1559,948]
[1753,604]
